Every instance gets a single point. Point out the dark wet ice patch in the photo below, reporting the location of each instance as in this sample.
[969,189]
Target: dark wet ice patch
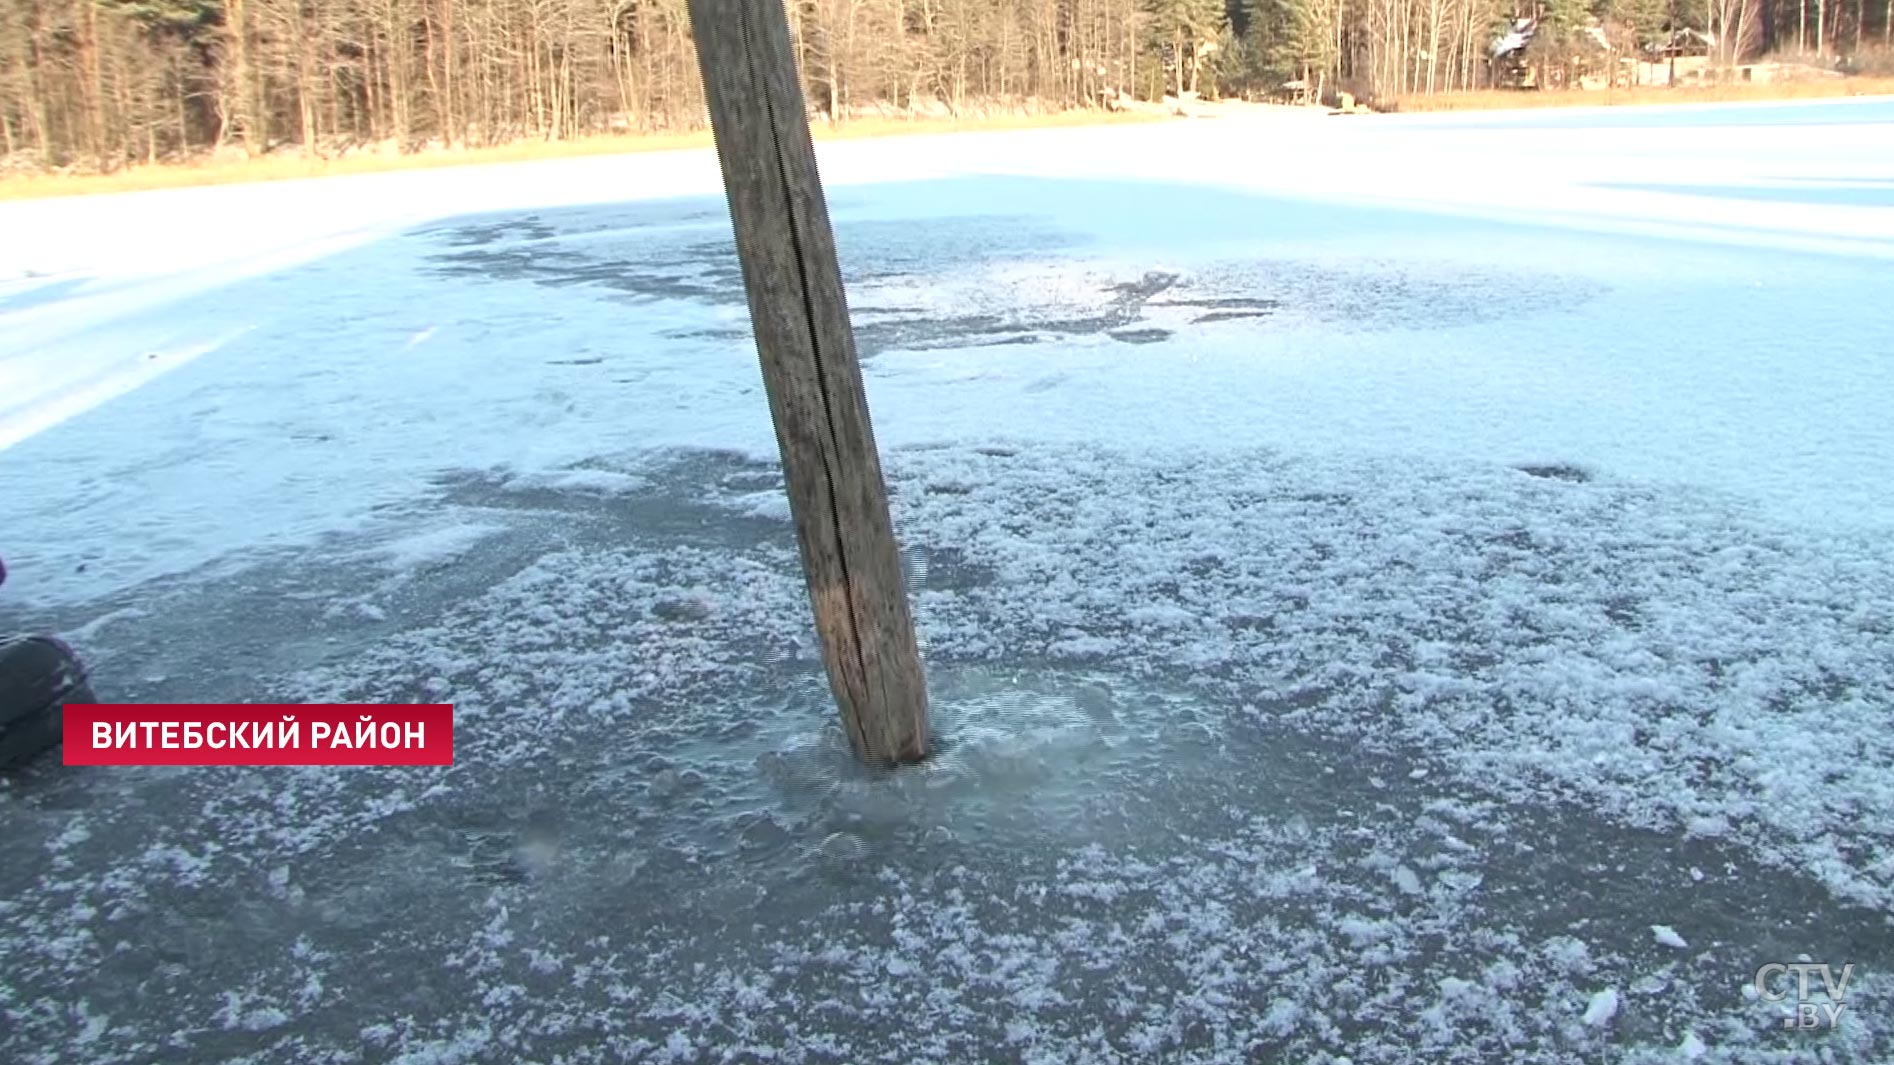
[1139,336]
[987,280]
[1557,471]
[1270,726]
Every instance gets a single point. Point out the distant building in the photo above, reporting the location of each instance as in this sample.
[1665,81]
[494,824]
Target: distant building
[1682,57]
[1510,67]
[1684,42]
[1525,57]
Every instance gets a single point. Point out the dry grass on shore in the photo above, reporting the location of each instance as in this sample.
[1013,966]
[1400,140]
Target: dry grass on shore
[290,166]
[1513,99]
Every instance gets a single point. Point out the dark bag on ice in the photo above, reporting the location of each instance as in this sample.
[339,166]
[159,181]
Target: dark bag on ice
[38,676]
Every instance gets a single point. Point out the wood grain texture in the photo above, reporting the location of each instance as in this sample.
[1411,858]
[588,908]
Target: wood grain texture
[803,337]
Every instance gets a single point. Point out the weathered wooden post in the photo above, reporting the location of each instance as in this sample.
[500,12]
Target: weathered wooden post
[836,493]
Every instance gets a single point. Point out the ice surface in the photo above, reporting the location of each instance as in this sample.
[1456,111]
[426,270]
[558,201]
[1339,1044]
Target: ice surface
[1354,613]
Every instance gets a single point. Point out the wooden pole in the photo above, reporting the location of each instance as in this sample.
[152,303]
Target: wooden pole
[810,370]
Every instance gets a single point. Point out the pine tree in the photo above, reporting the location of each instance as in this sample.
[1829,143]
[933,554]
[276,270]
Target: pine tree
[1306,47]
[1643,23]
[1181,29]
[1556,41]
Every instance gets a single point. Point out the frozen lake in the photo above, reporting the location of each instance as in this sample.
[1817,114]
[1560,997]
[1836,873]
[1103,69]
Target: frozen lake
[1394,588]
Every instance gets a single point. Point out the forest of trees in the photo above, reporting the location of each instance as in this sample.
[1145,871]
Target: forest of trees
[102,83]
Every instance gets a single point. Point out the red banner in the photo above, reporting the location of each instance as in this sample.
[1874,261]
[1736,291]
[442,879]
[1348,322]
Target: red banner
[259,734]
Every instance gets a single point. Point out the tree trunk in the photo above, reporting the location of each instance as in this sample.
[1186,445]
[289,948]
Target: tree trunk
[1433,42]
[305,86]
[93,89]
[400,83]
[799,315]
[450,128]
[249,116]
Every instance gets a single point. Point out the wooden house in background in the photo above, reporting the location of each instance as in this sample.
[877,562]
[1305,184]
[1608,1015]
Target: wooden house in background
[1511,68]
[1526,57]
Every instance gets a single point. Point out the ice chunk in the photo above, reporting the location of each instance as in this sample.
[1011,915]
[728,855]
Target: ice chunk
[1604,1006]
[1668,936]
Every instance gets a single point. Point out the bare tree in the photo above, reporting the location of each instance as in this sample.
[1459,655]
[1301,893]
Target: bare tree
[104,83]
